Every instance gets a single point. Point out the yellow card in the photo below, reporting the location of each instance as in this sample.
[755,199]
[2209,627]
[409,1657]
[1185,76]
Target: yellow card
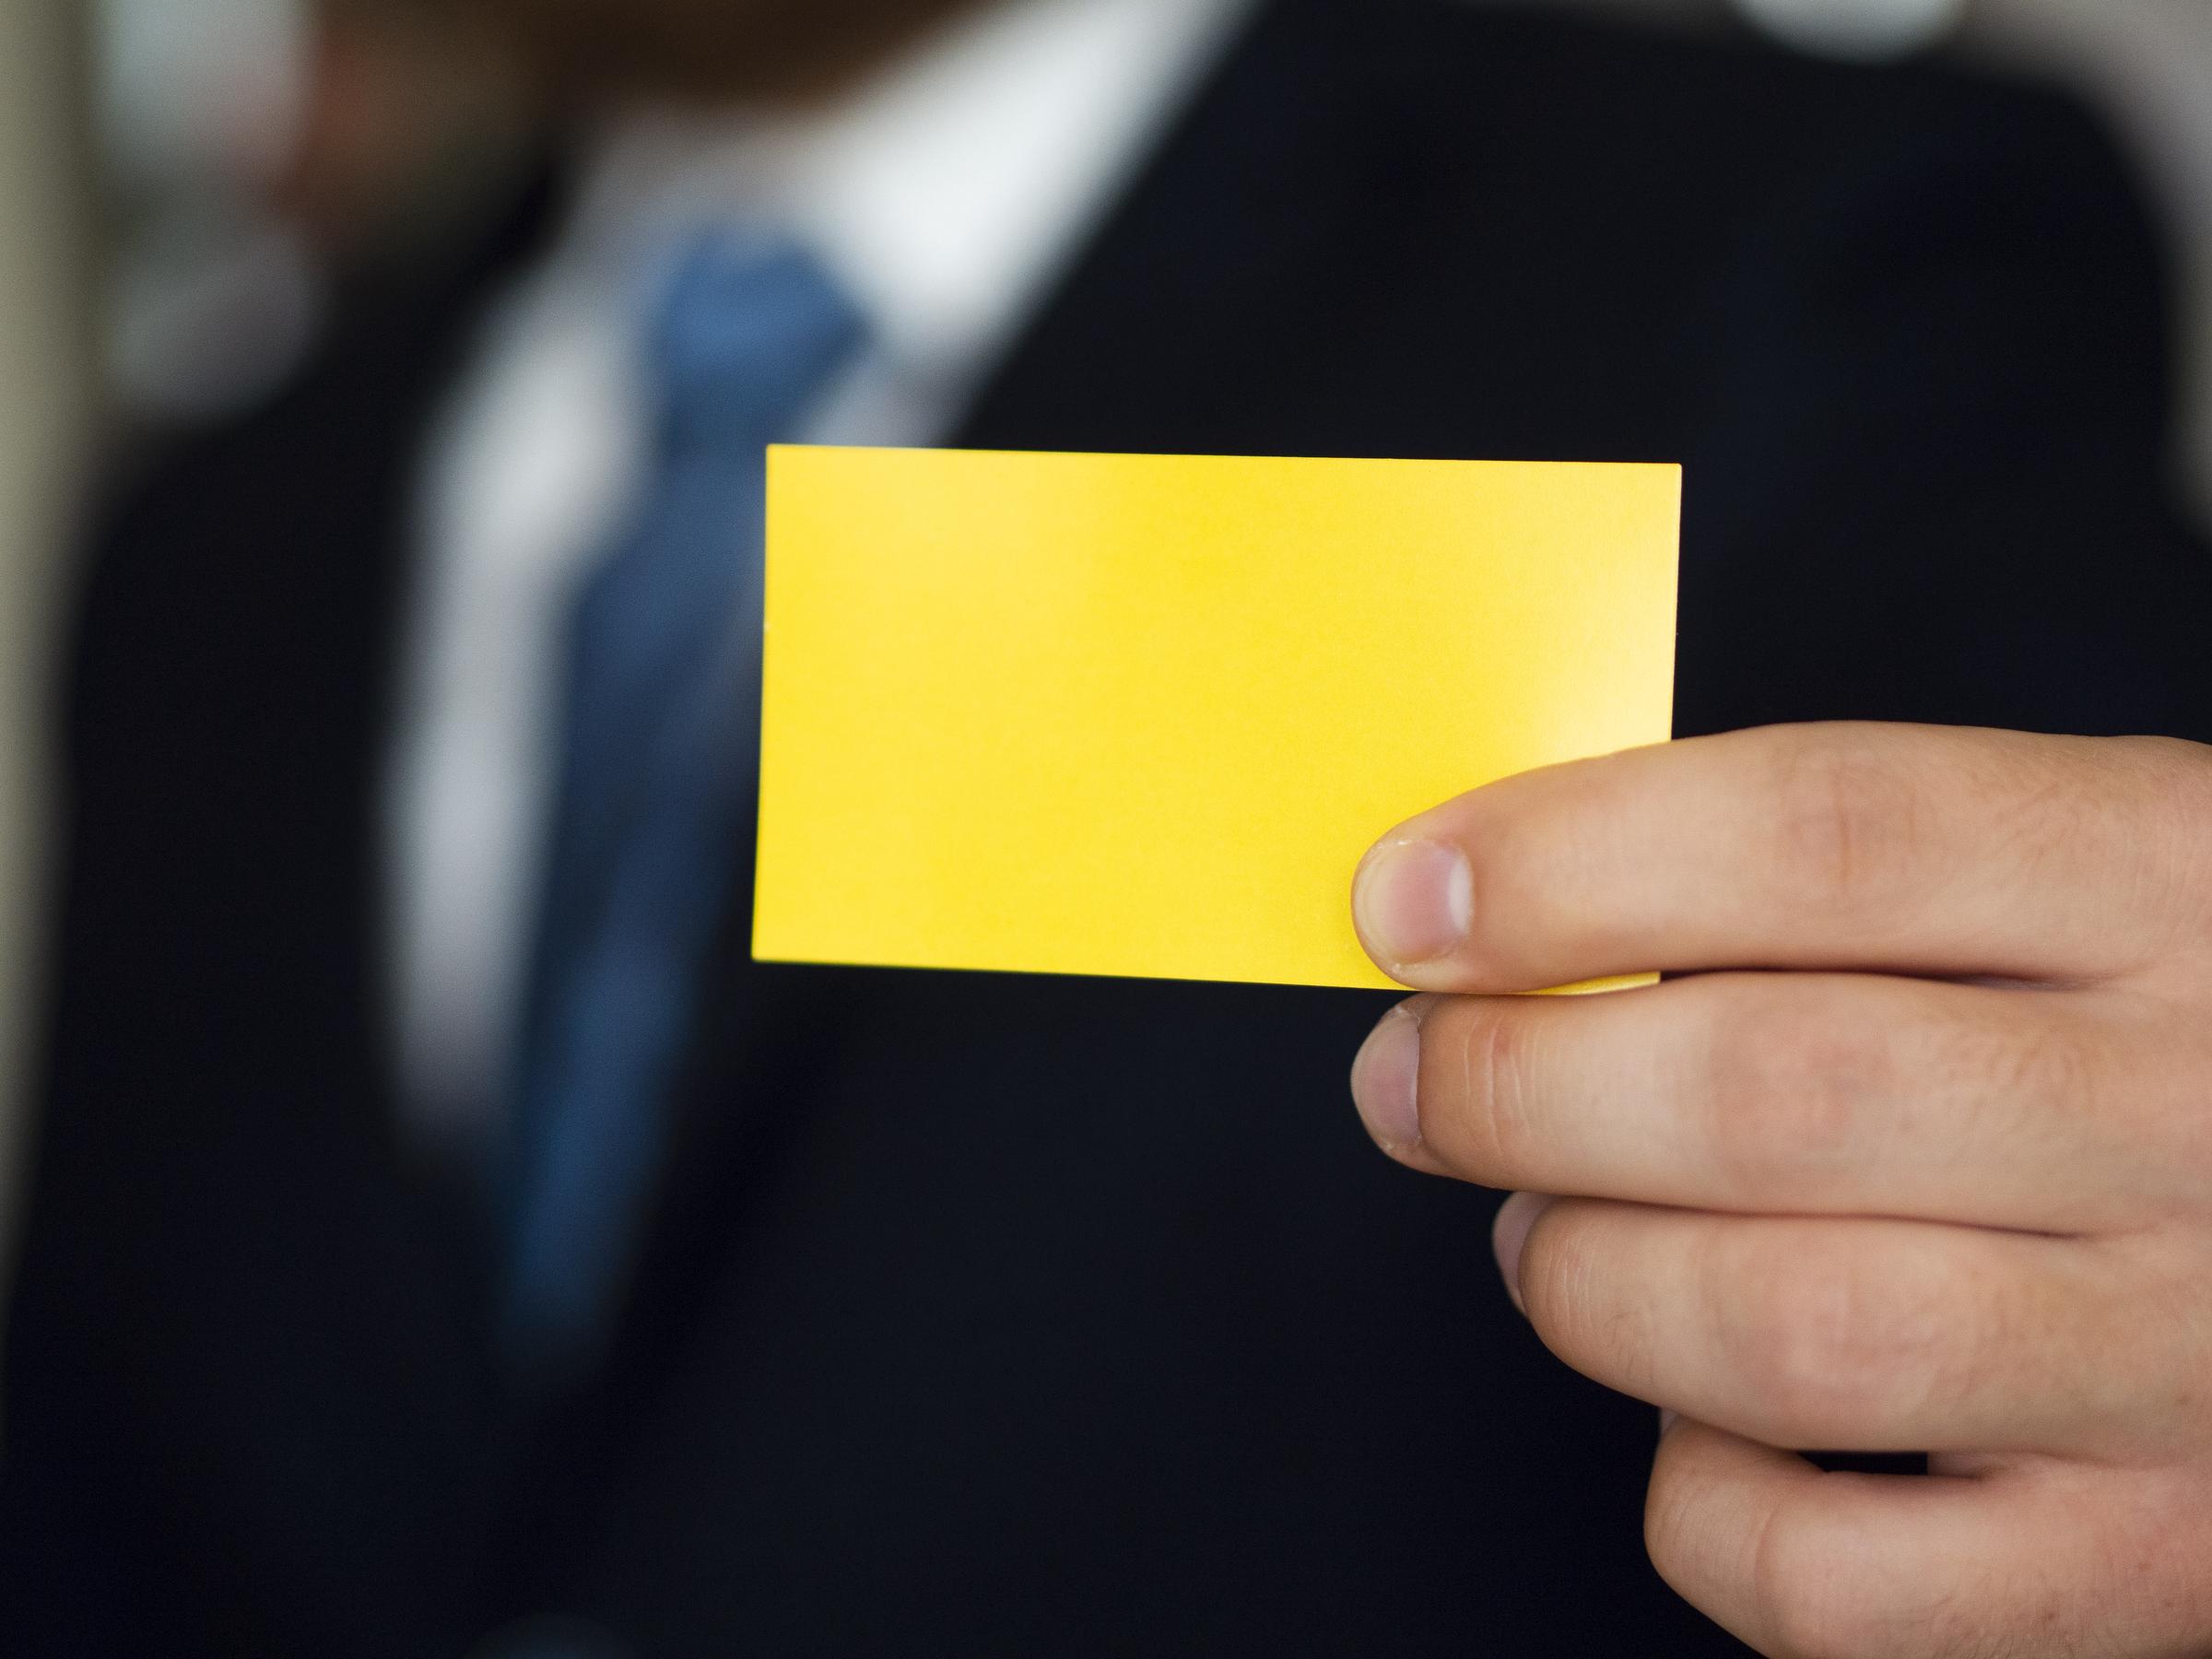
[1142,714]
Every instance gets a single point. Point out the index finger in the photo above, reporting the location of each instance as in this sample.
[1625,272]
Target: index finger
[1921,850]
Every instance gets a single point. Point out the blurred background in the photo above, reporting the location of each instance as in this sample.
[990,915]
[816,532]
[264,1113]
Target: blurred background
[179,177]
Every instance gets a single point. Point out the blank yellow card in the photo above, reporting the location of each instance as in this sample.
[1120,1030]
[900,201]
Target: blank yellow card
[1142,714]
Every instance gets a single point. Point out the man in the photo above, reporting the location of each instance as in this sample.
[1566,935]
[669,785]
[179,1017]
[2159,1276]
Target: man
[897,1313]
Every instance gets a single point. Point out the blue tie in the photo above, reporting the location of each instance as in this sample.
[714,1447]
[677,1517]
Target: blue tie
[658,738]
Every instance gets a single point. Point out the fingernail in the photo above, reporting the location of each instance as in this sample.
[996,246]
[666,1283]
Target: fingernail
[1386,1079]
[1510,1234]
[1413,901]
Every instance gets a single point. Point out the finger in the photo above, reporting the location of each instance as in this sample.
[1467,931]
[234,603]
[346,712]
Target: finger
[1910,849]
[1859,1335]
[1509,1236]
[1797,1093]
[1806,1565]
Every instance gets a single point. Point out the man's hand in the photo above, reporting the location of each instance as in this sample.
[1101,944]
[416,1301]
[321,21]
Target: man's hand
[1919,1158]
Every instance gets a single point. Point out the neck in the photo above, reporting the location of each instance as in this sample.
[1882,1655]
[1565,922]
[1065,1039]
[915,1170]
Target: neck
[786,54]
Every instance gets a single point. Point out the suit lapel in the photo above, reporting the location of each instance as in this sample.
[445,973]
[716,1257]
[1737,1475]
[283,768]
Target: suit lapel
[332,564]
[1205,292]
[1142,348]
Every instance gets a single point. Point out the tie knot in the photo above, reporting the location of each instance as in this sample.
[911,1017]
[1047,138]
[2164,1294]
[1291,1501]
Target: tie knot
[745,332]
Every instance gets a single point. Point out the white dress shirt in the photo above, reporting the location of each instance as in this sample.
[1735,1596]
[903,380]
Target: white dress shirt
[945,196]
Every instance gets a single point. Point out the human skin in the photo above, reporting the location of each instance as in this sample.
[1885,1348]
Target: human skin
[708,52]
[1916,1156]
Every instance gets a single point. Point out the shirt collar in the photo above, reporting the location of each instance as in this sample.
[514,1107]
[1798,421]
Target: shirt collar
[948,191]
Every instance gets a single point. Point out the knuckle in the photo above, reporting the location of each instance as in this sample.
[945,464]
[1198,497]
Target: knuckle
[1851,819]
[2144,1558]
[1795,1095]
[2176,769]
[1829,1347]
[1974,1075]
[2177,833]
[2144,811]
[1803,1093]
[2024,1083]
[2016,1076]
[2175,1116]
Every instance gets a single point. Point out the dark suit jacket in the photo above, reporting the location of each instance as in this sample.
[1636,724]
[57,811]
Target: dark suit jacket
[988,1315]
